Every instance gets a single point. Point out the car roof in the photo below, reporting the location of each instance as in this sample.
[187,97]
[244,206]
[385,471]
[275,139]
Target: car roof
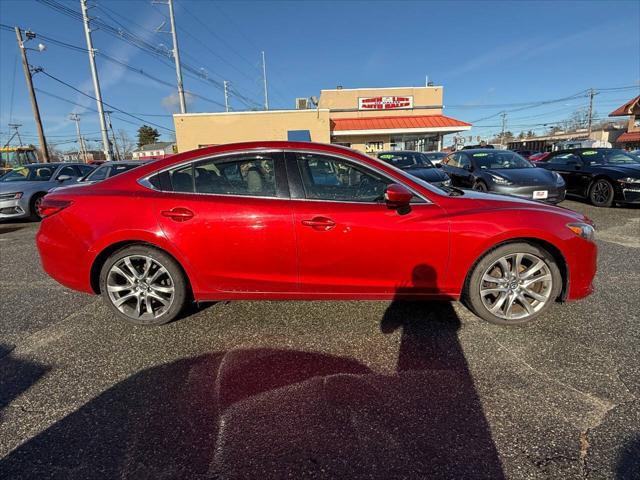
[485,150]
[397,151]
[53,164]
[124,162]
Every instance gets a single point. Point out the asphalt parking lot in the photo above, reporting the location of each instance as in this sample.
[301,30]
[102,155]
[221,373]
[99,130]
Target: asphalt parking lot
[321,389]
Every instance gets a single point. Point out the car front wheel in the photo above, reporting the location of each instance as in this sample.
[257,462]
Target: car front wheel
[143,285]
[601,193]
[513,284]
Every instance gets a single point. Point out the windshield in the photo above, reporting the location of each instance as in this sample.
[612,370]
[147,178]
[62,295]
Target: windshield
[500,160]
[33,173]
[608,157]
[435,156]
[406,159]
[108,171]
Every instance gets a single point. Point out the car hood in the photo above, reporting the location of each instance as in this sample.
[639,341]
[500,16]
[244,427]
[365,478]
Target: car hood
[632,170]
[497,201]
[427,174]
[22,186]
[525,176]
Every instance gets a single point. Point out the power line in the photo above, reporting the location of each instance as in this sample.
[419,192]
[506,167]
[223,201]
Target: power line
[104,103]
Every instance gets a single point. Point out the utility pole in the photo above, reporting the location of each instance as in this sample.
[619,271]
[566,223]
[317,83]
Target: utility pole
[44,151]
[106,144]
[592,93]
[113,135]
[264,78]
[176,57]
[82,152]
[504,126]
[16,127]
[226,95]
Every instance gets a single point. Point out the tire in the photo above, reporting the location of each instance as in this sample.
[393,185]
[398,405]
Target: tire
[34,214]
[161,287]
[547,288]
[480,186]
[601,193]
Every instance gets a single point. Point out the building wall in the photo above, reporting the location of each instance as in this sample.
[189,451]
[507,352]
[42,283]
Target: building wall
[343,103]
[199,130]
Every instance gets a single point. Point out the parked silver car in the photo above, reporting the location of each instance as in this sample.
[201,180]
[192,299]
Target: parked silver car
[22,189]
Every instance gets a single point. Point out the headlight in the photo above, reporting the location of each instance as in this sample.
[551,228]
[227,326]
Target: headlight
[446,183]
[499,180]
[584,230]
[559,179]
[629,180]
[17,195]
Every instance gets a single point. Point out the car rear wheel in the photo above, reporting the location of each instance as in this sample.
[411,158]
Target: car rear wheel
[34,207]
[480,187]
[601,193]
[513,284]
[143,285]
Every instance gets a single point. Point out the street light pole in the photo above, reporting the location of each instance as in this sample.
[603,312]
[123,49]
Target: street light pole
[44,152]
[106,144]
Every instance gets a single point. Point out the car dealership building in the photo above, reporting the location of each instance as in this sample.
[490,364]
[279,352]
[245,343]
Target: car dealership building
[366,119]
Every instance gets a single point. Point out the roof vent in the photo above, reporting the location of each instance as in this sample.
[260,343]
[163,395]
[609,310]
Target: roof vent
[302,103]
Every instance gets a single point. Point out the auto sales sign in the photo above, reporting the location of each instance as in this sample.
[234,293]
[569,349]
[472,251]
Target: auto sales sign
[385,103]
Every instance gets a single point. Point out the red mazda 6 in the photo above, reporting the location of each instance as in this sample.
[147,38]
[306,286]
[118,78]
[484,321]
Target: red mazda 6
[285,220]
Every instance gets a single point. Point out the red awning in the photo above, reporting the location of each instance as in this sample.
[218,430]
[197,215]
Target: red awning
[397,123]
[628,137]
[626,109]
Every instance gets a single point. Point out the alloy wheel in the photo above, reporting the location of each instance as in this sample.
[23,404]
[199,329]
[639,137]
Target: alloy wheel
[516,286]
[140,287]
[600,192]
[36,206]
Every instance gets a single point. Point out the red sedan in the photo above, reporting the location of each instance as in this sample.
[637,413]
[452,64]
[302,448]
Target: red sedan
[287,220]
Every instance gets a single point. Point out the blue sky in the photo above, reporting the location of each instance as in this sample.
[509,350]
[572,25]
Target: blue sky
[487,55]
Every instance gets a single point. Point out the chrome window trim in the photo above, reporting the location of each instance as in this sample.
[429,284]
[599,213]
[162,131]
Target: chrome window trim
[144,181]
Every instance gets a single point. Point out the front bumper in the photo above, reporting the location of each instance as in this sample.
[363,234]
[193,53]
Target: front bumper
[630,193]
[555,194]
[12,208]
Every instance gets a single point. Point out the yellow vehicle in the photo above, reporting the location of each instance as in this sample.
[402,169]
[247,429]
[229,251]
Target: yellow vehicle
[12,157]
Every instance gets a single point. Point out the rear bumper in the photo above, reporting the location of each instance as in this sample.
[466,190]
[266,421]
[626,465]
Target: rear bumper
[63,255]
[554,194]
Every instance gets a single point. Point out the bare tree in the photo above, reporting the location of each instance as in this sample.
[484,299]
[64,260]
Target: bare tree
[125,143]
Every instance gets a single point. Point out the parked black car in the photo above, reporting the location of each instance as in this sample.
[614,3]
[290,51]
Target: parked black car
[503,171]
[416,164]
[601,175]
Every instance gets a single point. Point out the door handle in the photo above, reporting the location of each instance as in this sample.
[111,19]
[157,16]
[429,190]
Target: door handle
[178,214]
[319,223]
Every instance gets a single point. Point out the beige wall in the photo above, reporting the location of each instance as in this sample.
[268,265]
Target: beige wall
[358,142]
[347,99]
[198,130]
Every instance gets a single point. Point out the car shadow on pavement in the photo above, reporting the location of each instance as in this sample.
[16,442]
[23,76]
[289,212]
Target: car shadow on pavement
[16,376]
[273,413]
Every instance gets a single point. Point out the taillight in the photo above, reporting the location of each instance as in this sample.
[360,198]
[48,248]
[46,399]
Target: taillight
[50,206]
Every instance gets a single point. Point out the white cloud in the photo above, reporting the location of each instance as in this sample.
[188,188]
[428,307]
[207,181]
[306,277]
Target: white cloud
[172,103]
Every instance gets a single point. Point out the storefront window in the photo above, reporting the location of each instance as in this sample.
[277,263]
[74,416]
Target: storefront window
[418,143]
[373,147]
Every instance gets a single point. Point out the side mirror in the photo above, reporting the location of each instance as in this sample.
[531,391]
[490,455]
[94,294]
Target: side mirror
[438,165]
[398,197]
[468,168]
[64,178]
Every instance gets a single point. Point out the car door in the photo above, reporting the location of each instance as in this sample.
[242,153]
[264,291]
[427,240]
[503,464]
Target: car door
[350,242]
[465,171]
[230,217]
[569,166]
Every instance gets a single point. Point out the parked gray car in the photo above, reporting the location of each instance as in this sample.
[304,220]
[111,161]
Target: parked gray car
[22,189]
